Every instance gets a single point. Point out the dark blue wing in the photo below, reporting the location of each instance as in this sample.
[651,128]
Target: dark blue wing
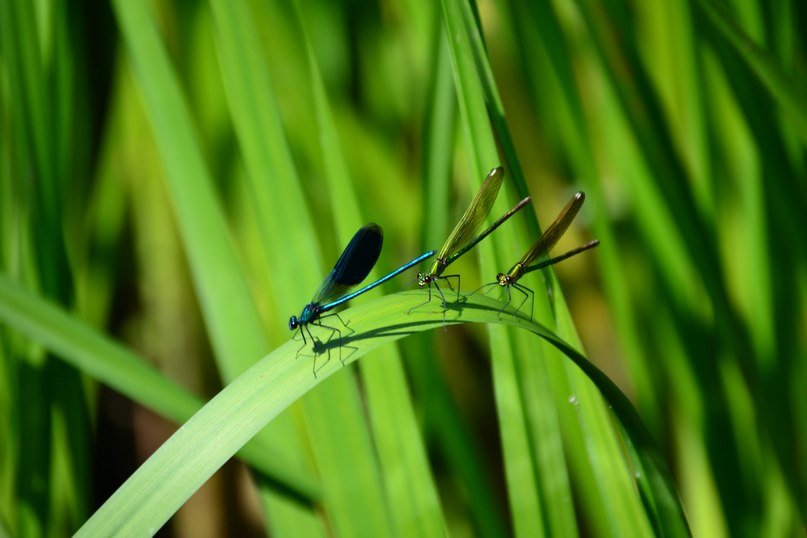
[353,266]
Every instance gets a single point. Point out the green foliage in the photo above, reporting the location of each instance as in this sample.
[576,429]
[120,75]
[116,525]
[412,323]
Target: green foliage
[177,177]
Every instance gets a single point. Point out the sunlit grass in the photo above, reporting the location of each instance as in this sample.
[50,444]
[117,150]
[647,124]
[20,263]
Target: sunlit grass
[177,178]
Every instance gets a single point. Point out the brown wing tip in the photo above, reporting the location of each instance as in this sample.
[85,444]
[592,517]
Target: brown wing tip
[375,227]
[499,170]
[580,196]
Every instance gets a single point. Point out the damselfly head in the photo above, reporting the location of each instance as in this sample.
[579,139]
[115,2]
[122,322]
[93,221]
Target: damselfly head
[503,279]
[424,279]
[293,323]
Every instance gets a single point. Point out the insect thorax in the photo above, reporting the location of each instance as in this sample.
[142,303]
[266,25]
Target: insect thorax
[310,313]
[434,272]
[515,273]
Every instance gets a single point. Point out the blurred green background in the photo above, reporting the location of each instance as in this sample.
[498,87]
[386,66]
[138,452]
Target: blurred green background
[177,177]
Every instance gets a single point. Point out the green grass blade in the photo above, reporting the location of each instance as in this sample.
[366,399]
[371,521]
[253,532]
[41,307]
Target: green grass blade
[546,24]
[339,434]
[684,122]
[735,335]
[275,197]
[443,418]
[229,420]
[521,465]
[626,509]
[643,113]
[235,336]
[539,18]
[28,150]
[532,442]
[228,309]
[441,117]
[400,448]
[42,177]
[790,96]
[276,193]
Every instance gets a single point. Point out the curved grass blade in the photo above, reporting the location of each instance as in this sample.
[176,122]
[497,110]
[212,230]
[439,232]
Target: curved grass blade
[179,467]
